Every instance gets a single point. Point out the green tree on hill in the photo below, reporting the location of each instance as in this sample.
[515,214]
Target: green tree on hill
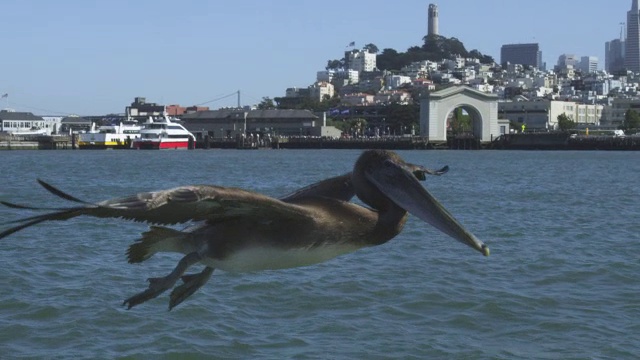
[335,64]
[631,121]
[434,48]
[389,59]
[565,123]
[439,47]
[266,104]
[372,48]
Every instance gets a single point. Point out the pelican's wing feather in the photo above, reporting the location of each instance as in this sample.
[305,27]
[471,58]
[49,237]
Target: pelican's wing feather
[168,207]
[194,203]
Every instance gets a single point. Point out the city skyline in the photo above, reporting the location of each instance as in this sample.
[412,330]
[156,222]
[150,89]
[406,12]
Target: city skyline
[71,57]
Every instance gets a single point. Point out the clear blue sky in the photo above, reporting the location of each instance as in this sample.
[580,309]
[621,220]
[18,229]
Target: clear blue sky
[92,57]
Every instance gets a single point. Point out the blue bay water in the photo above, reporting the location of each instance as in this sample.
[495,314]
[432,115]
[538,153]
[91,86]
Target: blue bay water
[561,282]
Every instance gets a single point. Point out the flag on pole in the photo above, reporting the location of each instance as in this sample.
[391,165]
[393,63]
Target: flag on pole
[353,43]
[5,95]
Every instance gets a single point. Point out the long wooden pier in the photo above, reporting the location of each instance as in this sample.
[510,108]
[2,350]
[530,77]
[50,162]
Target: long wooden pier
[35,142]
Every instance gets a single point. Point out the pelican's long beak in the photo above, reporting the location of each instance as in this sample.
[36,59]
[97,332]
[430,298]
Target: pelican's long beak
[398,182]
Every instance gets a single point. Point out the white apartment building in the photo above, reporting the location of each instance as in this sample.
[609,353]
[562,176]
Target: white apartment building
[352,76]
[540,91]
[419,69]
[483,70]
[393,82]
[514,69]
[452,64]
[484,87]
[361,61]
[325,75]
[345,77]
[358,99]
[466,74]
[445,78]
[424,83]
[321,90]
[567,72]
[387,97]
[545,80]
[524,83]
[543,114]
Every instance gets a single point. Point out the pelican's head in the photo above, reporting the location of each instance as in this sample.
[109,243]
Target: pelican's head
[381,175]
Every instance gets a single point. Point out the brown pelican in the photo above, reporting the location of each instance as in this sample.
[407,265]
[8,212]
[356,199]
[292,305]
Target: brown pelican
[237,230]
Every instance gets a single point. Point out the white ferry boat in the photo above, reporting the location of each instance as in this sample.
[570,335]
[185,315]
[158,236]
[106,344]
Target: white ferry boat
[31,132]
[163,133]
[119,136]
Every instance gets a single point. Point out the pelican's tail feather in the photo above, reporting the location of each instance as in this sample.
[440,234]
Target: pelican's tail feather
[157,239]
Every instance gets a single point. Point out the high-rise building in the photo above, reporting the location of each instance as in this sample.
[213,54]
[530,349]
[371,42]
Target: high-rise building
[565,60]
[588,64]
[433,20]
[632,51]
[523,54]
[614,55]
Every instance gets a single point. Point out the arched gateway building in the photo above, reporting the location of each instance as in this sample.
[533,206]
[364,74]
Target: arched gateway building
[436,107]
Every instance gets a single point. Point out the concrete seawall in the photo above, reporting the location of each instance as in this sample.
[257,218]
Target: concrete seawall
[564,141]
[527,141]
[397,143]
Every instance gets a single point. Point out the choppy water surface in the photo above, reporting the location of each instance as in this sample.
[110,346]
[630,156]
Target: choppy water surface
[561,283]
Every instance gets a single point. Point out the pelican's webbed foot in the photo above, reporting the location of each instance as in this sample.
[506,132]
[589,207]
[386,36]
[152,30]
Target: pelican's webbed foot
[159,285]
[192,283]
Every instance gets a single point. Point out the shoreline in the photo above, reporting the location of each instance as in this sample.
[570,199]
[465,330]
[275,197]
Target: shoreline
[523,141]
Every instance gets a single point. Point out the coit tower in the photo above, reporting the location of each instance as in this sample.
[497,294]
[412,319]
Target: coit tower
[433,20]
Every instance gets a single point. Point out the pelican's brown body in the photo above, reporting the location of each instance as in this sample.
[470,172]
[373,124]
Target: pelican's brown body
[238,230]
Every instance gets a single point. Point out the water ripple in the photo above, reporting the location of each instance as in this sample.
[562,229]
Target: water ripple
[561,281]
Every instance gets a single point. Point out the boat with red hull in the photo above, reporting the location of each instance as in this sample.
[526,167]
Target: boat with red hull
[163,133]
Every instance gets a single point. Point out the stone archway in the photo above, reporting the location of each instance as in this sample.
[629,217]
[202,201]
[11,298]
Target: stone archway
[435,107]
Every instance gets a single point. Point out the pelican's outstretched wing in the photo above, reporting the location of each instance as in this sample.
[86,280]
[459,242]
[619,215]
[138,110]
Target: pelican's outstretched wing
[167,207]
